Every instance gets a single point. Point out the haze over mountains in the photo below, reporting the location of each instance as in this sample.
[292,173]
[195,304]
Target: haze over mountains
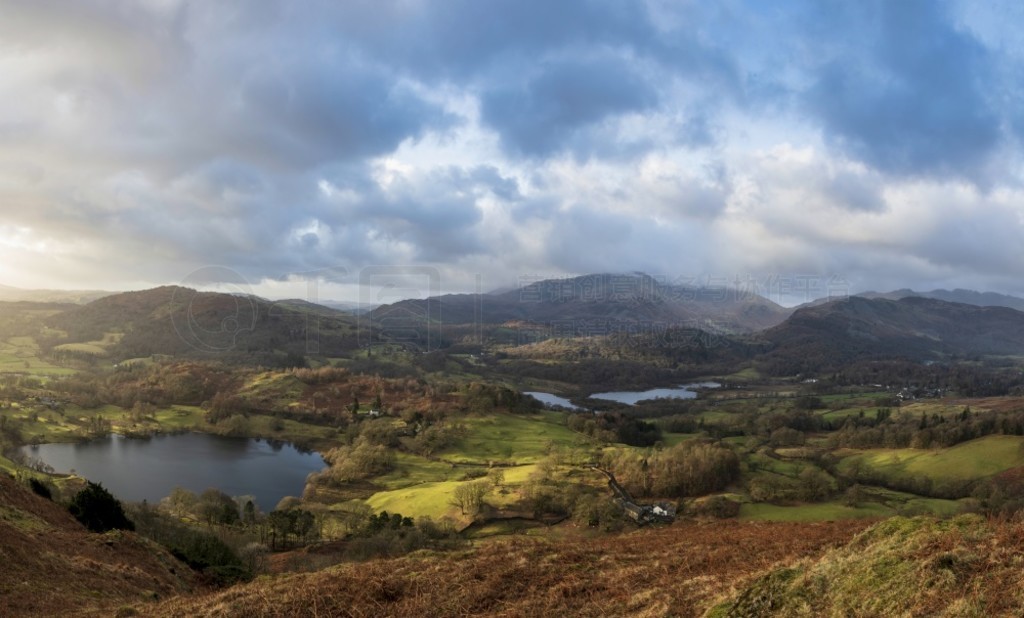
[968,297]
[178,321]
[618,296]
[13,294]
[609,302]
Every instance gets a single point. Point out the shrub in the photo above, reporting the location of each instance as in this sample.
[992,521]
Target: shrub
[718,507]
[98,510]
[40,488]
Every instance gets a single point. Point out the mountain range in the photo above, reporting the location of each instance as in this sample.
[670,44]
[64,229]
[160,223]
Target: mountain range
[598,303]
[967,297]
[178,321]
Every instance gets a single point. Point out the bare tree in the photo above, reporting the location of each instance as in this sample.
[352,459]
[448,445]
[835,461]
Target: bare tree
[469,497]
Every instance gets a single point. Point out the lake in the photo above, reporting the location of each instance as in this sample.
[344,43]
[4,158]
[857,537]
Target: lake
[632,397]
[136,469]
[552,400]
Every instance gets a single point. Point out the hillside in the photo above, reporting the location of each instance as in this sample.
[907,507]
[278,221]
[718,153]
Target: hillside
[901,567]
[674,571]
[824,337]
[597,304]
[51,565]
[180,321]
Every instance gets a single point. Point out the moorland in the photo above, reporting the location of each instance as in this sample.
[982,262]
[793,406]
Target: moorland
[841,447]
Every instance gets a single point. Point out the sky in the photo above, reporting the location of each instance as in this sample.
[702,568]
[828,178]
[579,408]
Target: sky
[279,146]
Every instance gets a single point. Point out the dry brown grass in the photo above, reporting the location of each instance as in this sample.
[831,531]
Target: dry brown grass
[51,565]
[675,571]
[965,566]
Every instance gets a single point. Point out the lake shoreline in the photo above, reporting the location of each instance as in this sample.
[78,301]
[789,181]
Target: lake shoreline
[268,469]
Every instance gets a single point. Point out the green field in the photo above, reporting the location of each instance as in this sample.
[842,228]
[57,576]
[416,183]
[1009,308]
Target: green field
[432,498]
[837,415]
[7,465]
[512,438]
[781,467]
[744,375]
[821,511]
[91,349]
[672,439]
[179,417]
[411,470]
[967,461]
[902,501]
[21,355]
[425,499]
[868,397]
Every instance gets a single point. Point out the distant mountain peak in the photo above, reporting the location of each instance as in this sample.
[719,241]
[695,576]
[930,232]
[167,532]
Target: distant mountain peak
[602,301]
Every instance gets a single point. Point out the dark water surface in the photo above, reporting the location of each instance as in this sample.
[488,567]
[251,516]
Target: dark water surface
[134,469]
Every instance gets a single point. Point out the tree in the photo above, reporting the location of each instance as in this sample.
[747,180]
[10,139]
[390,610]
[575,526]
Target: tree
[280,524]
[249,513]
[854,496]
[469,497]
[98,510]
[181,502]
[815,484]
[299,522]
[496,476]
[216,507]
[303,523]
[254,557]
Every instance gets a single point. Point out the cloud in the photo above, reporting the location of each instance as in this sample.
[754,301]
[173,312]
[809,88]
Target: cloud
[546,114]
[908,92]
[142,140]
[466,41]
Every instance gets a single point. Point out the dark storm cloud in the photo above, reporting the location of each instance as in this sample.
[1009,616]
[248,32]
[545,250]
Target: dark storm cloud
[907,92]
[281,137]
[543,115]
[309,114]
[462,40]
[436,214]
[546,70]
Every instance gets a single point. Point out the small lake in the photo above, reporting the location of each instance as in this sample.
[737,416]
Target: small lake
[136,469]
[686,391]
[552,400]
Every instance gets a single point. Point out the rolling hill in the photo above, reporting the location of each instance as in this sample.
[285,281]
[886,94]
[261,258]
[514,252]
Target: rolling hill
[919,329]
[180,321]
[594,305]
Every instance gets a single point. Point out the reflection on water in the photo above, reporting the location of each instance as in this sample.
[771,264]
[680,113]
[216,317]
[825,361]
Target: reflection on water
[136,469]
[552,400]
[686,391]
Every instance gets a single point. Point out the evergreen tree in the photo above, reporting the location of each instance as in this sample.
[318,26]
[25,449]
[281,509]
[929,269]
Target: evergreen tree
[98,510]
